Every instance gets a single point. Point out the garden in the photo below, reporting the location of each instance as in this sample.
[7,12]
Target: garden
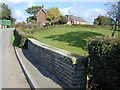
[71,38]
[92,41]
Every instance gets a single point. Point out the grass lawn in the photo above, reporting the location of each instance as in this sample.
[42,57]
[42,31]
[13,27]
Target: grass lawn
[73,39]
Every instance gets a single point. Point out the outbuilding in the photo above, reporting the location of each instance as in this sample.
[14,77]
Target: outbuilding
[75,20]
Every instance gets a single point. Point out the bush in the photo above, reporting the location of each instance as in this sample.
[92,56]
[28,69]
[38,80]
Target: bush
[24,26]
[104,63]
[20,38]
[101,20]
[52,23]
[63,20]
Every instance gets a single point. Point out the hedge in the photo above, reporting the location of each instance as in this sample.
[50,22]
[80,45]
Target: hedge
[20,38]
[104,63]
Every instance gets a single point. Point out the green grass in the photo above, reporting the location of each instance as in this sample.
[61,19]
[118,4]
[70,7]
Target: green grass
[73,39]
[12,38]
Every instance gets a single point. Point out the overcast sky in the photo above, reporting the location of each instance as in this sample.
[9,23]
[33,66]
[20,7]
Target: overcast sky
[85,9]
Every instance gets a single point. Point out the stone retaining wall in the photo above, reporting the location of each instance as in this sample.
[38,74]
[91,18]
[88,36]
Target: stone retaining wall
[69,68]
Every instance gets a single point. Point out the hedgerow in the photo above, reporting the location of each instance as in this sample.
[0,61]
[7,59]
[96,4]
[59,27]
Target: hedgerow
[104,63]
[20,38]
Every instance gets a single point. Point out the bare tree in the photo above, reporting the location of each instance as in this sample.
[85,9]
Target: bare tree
[113,9]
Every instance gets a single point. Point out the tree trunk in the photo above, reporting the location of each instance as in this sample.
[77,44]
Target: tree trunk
[113,33]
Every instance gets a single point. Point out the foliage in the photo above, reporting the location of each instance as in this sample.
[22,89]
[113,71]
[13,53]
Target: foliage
[104,63]
[113,9]
[96,22]
[6,13]
[30,19]
[20,38]
[63,20]
[24,25]
[111,21]
[101,20]
[53,14]
[33,11]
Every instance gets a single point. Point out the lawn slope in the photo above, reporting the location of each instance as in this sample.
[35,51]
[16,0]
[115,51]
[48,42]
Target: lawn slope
[73,39]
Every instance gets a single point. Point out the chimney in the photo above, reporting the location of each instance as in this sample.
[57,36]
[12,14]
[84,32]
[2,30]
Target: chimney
[42,6]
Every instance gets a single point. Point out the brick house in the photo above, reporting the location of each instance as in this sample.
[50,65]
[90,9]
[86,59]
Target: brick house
[71,19]
[75,20]
[41,16]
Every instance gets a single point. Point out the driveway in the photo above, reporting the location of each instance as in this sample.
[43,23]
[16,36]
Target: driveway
[12,74]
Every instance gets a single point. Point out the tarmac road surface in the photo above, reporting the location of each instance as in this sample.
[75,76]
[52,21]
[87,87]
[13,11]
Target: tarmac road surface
[10,71]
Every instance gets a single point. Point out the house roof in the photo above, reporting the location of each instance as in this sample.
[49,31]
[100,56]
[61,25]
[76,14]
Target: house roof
[74,18]
[44,10]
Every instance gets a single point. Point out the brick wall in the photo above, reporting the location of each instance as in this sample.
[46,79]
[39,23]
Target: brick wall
[69,68]
[41,17]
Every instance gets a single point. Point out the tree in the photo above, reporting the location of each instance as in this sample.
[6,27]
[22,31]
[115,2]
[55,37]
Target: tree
[101,20]
[13,20]
[33,11]
[29,19]
[114,13]
[119,14]
[110,21]
[5,13]
[63,19]
[96,22]
[53,14]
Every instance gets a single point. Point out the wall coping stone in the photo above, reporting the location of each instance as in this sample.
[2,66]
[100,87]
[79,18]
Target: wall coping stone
[76,59]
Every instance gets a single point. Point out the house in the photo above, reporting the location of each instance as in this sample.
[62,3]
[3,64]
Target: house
[75,20]
[41,16]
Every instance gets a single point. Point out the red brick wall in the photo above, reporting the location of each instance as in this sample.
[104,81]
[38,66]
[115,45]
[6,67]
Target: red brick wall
[41,17]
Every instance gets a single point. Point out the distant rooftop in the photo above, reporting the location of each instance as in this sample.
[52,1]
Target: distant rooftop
[74,18]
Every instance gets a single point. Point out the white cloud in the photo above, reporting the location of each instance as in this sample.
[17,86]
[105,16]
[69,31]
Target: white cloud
[65,11]
[31,3]
[18,12]
[19,15]
[90,14]
[86,13]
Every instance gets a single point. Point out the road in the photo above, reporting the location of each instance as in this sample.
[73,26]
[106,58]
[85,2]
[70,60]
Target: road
[12,75]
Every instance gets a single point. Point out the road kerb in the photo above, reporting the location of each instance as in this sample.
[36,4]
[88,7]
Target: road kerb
[24,70]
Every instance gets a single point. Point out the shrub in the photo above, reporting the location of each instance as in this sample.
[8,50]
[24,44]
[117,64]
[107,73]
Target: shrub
[20,38]
[24,26]
[63,20]
[52,23]
[101,20]
[104,62]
